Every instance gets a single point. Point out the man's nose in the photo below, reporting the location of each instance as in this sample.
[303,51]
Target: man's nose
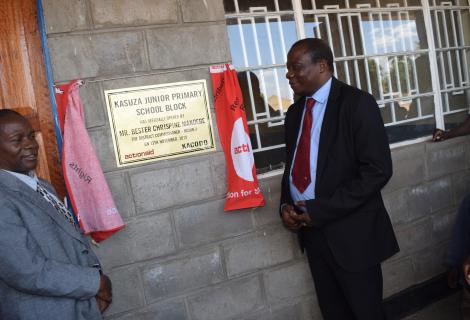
[30,143]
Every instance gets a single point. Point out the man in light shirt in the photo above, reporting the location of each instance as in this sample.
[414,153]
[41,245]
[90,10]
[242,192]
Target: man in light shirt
[337,160]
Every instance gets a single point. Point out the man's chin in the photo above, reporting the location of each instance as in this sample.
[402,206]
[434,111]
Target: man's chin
[28,166]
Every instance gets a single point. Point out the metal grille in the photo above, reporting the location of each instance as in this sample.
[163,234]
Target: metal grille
[451,25]
[411,55]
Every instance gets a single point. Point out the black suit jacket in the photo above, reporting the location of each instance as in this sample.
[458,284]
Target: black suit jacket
[353,165]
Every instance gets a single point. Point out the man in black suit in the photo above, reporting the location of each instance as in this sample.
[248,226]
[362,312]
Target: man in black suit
[338,160]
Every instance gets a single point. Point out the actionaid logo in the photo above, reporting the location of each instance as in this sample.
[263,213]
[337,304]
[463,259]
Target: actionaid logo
[240,149]
[242,157]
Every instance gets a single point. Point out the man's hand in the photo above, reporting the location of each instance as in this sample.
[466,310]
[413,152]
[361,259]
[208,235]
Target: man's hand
[104,297]
[293,220]
[303,219]
[439,135]
[288,213]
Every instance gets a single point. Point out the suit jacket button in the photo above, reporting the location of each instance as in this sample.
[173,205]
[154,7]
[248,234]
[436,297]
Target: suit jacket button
[85,251]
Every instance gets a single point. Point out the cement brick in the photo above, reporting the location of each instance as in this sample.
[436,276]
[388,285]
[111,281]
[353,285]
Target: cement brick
[415,236]
[443,223]
[271,190]
[460,186]
[144,238]
[187,46]
[407,204]
[293,312]
[121,191]
[167,187]
[263,249]
[288,282]
[118,13]
[228,301]
[187,273]
[202,10]
[65,16]
[103,145]
[84,56]
[269,214]
[270,184]
[173,310]
[429,262]
[219,173]
[127,291]
[397,275]
[445,158]
[160,78]
[91,95]
[208,222]
[439,193]
[408,167]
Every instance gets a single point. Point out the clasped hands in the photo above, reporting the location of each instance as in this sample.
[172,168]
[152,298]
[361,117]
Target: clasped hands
[104,297]
[293,220]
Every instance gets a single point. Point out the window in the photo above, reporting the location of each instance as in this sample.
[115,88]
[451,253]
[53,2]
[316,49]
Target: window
[412,55]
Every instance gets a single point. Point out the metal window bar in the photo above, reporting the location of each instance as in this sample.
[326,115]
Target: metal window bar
[439,44]
[262,81]
[458,50]
[274,70]
[413,62]
[403,44]
[444,83]
[395,61]
[457,43]
[447,45]
[433,63]
[253,107]
[460,89]
[388,77]
[343,47]
[334,9]
[464,56]
[353,47]
[412,87]
[273,59]
[377,64]
[366,62]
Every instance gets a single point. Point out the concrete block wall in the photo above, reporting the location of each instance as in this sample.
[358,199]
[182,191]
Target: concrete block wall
[429,182]
[181,257]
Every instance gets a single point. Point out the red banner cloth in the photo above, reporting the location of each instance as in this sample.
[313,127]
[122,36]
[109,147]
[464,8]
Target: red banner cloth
[242,187]
[86,185]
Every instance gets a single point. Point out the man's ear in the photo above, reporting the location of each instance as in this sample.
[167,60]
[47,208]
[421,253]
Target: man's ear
[323,66]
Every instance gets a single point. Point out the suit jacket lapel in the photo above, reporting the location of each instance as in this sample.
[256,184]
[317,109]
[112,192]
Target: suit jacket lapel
[328,129]
[44,207]
[294,122]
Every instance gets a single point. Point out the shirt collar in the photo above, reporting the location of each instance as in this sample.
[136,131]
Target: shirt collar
[321,95]
[31,179]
